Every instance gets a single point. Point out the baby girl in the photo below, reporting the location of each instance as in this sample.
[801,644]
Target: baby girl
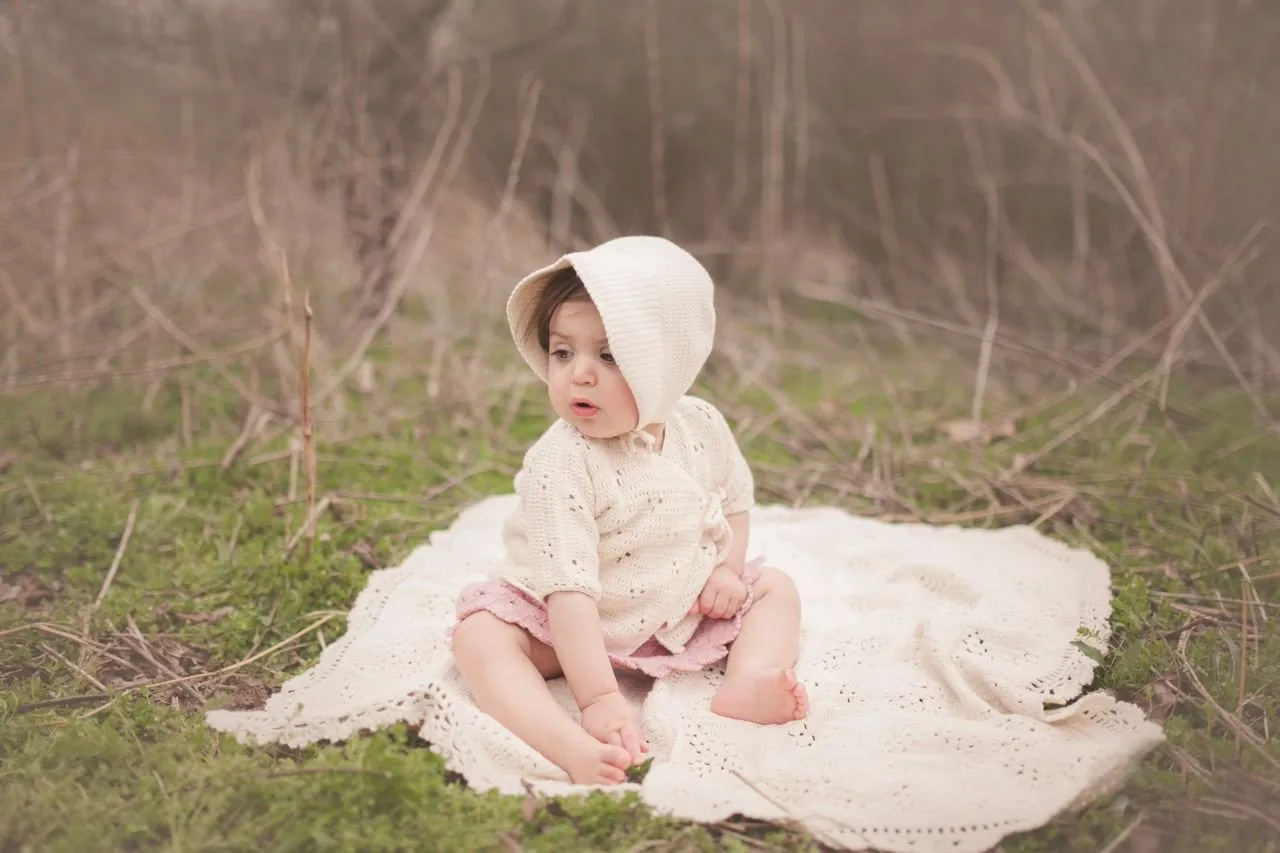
[627,549]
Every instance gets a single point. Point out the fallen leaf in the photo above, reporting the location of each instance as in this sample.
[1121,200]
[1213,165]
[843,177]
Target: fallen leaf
[1161,700]
[7,458]
[248,694]
[365,553]
[23,591]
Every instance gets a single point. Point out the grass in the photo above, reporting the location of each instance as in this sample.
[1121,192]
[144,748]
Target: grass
[103,746]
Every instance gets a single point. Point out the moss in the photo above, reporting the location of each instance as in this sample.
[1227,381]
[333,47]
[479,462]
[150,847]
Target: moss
[207,577]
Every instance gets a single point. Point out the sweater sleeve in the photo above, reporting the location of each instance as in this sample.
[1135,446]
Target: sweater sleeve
[733,474]
[553,539]
[739,484]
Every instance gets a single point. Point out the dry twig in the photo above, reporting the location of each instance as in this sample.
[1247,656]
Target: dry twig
[304,407]
[115,563]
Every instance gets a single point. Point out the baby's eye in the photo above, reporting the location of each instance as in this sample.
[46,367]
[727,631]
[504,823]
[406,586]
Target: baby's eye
[607,357]
[560,353]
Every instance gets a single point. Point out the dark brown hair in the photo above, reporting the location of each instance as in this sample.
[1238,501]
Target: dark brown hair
[562,286]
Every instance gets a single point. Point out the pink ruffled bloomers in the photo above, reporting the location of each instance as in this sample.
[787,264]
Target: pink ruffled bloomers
[708,645]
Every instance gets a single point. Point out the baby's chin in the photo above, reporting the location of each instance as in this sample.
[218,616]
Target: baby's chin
[598,426]
[599,431]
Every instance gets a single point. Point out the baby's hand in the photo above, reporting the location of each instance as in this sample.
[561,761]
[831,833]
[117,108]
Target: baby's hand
[722,594]
[611,719]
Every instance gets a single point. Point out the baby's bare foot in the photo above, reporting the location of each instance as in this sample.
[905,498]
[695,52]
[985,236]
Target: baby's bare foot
[590,762]
[766,696]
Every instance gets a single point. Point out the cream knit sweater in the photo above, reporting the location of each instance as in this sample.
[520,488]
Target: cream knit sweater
[636,528]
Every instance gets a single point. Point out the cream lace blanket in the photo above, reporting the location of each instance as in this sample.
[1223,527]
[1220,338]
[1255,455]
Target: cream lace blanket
[930,654]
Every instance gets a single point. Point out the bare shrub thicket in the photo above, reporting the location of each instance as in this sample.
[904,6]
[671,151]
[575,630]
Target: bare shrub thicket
[1100,178]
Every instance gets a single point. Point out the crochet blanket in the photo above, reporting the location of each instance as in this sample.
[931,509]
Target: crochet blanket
[946,670]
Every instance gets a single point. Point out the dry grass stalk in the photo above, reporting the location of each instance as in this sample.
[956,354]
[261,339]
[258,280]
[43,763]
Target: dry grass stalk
[253,420]
[307,529]
[71,665]
[139,642]
[304,408]
[45,515]
[120,549]
[61,250]
[742,104]
[1188,315]
[791,818]
[991,194]
[657,117]
[1233,723]
[1244,659]
[196,348]
[413,211]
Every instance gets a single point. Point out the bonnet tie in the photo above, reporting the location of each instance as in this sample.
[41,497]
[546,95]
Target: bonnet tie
[639,440]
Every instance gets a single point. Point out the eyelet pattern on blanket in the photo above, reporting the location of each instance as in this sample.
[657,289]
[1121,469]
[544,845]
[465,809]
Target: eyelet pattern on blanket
[944,677]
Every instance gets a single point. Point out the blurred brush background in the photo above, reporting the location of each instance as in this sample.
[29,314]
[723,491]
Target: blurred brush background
[1099,180]
[982,263]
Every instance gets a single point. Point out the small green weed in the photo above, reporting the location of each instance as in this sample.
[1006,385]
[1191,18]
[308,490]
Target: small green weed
[215,572]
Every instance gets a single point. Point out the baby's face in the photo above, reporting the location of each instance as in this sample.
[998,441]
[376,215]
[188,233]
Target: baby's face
[586,387]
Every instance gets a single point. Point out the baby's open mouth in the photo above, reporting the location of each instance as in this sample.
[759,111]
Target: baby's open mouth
[581,407]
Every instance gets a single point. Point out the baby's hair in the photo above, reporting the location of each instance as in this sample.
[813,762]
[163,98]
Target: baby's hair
[562,286]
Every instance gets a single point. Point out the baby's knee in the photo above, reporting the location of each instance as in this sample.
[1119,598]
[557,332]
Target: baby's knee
[478,633]
[775,582]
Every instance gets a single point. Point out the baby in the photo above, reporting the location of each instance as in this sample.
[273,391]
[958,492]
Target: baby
[627,548]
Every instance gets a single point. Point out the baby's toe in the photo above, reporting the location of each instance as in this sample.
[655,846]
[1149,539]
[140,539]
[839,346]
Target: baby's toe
[802,701]
[617,757]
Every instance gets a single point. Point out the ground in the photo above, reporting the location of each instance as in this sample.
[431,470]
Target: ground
[219,591]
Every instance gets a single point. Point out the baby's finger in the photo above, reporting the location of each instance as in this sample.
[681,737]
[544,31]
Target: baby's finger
[707,601]
[631,743]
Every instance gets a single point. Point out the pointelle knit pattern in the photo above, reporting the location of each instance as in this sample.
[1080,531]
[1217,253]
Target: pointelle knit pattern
[945,686]
[639,530]
[943,665]
[657,304]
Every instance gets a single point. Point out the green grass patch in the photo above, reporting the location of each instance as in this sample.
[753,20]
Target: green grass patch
[209,579]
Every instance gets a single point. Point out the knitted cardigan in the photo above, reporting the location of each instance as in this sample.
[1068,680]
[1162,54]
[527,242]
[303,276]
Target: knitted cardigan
[637,528]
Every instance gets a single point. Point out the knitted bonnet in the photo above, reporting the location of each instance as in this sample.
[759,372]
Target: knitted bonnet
[657,304]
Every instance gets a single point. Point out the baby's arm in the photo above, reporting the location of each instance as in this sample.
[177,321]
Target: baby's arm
[740,524]
[557,539]
[556,542]
[575,633]
[579,644]
[738,485]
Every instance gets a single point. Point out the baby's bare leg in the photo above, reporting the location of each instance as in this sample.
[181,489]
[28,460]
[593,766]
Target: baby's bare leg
[759,683]
[506,671]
